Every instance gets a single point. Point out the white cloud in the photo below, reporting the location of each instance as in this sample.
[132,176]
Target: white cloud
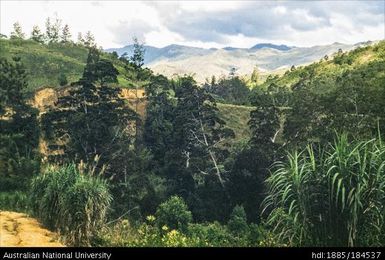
[206,23]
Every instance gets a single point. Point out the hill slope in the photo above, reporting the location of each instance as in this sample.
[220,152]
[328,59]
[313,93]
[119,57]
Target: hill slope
[45,63]
[369,58]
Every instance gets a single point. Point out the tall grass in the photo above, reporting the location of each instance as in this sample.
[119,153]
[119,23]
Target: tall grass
[329,197]
[72,202]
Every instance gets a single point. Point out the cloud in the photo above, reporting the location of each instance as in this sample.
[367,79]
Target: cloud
[207,23]
[126,30]
[273,20]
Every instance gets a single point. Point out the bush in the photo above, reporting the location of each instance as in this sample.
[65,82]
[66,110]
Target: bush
[174,214]
[70,201]
[211,234]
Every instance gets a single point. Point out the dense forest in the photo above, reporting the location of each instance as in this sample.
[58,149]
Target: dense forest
[294,160]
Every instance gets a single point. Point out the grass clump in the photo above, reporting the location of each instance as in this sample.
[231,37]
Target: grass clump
[330,197]
[71,202]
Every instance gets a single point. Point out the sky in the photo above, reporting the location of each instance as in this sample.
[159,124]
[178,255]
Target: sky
[207,24]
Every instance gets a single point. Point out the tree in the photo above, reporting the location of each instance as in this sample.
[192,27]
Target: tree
[19,131]
[158,126]
[93,122]
[254,76]
[89,40]
[37,35]
[99,70]
[53,30]
[196,158]
[66,34]
[232,90]
[137,57]
[80,39]
[200,129]
[17,32]
[232,72]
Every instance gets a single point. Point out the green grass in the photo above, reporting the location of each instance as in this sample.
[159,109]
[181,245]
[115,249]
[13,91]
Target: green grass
[44,63]
[236,118]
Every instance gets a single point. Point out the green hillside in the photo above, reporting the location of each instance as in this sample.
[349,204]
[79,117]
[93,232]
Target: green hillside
[45,63]
[327,70]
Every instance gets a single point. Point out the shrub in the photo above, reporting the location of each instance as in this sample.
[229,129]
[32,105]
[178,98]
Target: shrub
[70,201]
[211,234]
[174,214]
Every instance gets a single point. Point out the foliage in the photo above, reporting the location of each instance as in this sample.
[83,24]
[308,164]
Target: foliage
[149,234]
[17,33]
[14,201]
[174,214]
[232,90]
[70,201]
[19,130]
[330,197]
[238,223]
[93,122]
[138,56]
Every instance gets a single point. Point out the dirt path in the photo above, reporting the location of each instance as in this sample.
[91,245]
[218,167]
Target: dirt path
[17,229]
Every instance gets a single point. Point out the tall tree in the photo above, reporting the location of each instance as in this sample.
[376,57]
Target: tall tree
[53,30]
[17,32]
[199,129]
[98,70]
[66,34]
[137,57]
[37,35]
[80,39]
[19,130]
[198,151]
[93,121]
[89,40]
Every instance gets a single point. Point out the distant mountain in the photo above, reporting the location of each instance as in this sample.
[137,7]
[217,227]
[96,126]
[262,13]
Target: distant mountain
[203,63]
[271,46]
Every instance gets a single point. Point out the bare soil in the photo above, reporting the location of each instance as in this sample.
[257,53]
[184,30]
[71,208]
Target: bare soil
[20,230]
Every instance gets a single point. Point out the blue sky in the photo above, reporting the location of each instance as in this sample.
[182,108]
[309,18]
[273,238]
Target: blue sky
[207,23]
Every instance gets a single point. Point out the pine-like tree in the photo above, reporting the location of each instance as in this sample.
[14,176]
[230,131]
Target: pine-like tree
[94,121]
[66,34]
[17,32]
[19,130]
[137,57]
[37,35]
[89,40]
[53,30]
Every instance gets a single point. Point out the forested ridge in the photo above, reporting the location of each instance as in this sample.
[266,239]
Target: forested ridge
[295,160]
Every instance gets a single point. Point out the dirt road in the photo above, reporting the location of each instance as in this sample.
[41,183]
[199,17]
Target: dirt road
[18,230]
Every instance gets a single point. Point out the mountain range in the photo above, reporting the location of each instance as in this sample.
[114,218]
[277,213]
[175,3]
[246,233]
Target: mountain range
[203,63]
